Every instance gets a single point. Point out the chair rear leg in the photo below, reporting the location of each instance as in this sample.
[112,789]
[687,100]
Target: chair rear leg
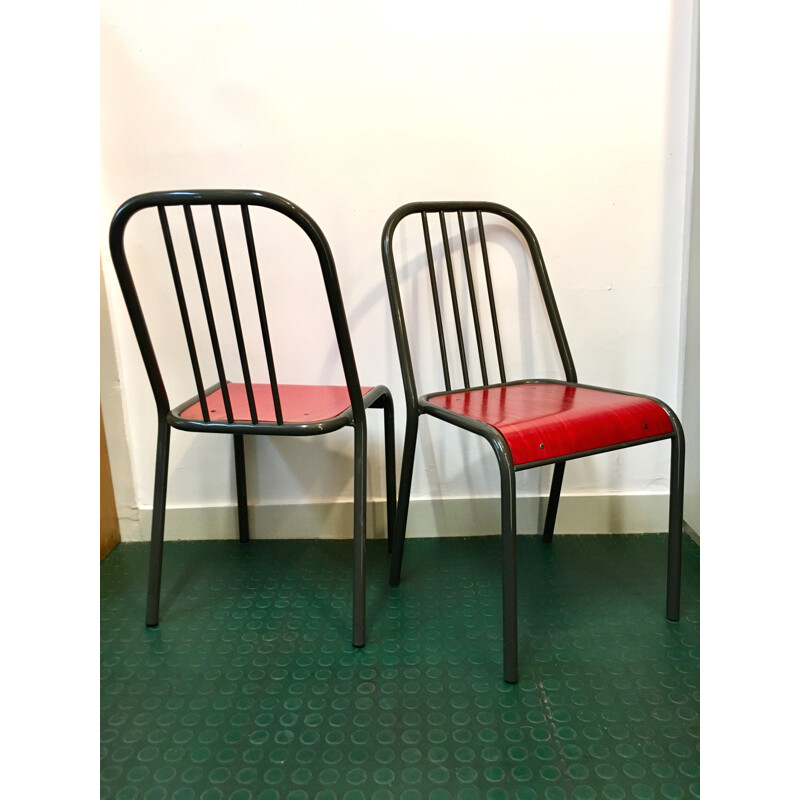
[157,527]
[241,487]
[391,477]
[552,503]
[509,547]
[675,527]
[403,495]
[360,536]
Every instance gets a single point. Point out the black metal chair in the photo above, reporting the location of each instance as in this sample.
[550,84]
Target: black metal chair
[242,406]
[529,422]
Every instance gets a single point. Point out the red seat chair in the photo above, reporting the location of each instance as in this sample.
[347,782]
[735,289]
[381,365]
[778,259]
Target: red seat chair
[233,401]
[529,422]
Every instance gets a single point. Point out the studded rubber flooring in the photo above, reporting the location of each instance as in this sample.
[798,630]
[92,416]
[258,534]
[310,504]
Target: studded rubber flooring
[249,688]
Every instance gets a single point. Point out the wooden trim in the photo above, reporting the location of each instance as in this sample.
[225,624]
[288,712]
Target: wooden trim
[109,523]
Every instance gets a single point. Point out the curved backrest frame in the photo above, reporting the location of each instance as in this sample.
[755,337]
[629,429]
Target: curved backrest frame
[398,318]
[215,198]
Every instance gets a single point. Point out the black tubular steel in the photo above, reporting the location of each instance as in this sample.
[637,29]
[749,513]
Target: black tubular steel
[241,487]
[436,306]
[417,405]
[391,476]
[157,527]
[490,292]
[170,416]
[552,502]
[549,300]
[360,535]
[237,324]
[387,404]
[472,298]
[132,303]
[212,327]
[508,528]
[454,297]
[187,325]
[262,312]
[674,546]
[403,495]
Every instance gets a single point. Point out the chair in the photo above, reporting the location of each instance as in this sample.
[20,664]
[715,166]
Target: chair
[528,423]
[233,401]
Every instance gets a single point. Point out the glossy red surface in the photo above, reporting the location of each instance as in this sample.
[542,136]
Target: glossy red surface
[541,421]
[298,403]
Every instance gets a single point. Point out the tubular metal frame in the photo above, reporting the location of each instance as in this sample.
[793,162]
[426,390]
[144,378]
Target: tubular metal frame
[354,416]
[418,405]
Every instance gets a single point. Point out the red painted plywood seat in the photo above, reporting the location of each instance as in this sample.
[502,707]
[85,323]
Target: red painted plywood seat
[299,403]
[543,421]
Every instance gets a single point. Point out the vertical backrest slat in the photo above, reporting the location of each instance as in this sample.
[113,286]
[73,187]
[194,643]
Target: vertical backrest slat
[262,312]
[490,291]
[187,326]
[436,306]
[456,316]
[472,298]
[212,328]
[237,324]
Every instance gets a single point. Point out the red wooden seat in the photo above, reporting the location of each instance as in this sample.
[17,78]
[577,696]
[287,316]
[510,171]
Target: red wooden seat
[528,423]
[299,403]
[211,286]
[543,421]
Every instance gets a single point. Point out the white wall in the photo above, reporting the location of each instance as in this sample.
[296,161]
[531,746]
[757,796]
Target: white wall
[574,114]
[690,406]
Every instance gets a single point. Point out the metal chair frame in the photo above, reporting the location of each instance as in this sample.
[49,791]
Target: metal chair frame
[418,405]
[354,416]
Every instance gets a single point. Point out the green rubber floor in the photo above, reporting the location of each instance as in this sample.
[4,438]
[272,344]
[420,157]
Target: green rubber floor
[249,688]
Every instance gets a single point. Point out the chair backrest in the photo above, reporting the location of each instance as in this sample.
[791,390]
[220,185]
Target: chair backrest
[460,267]
[202,266]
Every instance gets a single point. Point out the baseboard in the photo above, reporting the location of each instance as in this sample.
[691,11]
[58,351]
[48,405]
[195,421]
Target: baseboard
[691,533]
[632,513]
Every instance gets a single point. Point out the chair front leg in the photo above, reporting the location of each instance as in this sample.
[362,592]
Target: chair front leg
[403,495]
[552,503]
[157,525]
[360,535]
[241,487]
[675,525]
[508,515]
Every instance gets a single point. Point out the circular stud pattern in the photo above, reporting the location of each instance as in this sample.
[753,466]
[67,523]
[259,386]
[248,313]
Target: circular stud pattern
[250,690]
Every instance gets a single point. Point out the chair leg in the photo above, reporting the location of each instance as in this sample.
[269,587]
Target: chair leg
[157,527]
[391,478]
[403,495]
[241,487]
[675,527]
[552,503]
[509,547]
[360,536]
